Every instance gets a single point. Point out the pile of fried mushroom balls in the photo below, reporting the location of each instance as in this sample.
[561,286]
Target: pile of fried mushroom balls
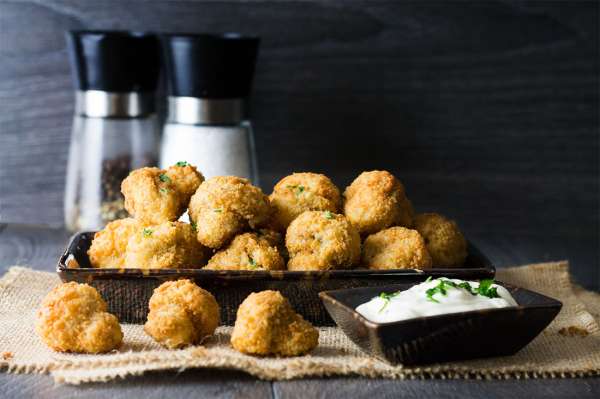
[304,224]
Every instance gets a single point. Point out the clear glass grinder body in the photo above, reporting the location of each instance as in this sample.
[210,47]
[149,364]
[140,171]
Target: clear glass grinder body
[115,129]
[102,153]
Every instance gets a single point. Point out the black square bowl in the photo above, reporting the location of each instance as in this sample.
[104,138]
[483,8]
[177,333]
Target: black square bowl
[127,291]
[449,337]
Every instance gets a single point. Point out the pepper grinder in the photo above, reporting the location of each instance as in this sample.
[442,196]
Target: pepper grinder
[115,129]
[209,77]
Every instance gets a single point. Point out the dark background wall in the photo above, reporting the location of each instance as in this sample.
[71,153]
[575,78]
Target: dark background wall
[487,111]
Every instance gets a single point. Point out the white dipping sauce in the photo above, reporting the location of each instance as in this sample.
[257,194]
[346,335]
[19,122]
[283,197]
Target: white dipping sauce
[415,302]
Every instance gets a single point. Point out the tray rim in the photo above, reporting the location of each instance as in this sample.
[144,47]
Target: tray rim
[136,273]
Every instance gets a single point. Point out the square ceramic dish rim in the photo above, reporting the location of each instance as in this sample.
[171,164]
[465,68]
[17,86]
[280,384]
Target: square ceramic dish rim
[325,296]
[135,273]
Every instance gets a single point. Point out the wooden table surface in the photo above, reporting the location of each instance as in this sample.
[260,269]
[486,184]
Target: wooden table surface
[487,111]
[39,247]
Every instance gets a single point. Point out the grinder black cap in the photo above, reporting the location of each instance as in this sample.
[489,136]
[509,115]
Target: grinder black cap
[114,61]
[216,66]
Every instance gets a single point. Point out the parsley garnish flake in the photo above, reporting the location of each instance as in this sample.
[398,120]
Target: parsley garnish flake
[298,188]
[164,178]
[484,289]
[386,299]
[147,232]
[253,264]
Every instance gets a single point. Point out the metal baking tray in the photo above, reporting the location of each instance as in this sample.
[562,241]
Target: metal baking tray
[127,291]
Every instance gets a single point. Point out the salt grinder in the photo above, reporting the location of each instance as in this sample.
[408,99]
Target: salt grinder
[209,79]
[114,128]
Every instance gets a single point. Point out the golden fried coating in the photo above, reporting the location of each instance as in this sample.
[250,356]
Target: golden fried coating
[109,245]
[321,241]
[224,206]
[376,200]
[151,196]
[170,245]
[300,192]
[445,243]
[266,324]
[73,318]
[186,179]
[395,248]
[276,239]
[273,237]
[247,251]
[181,313]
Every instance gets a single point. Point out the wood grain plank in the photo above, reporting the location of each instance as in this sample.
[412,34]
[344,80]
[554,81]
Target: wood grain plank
[382,389]
[210,384]
[30,245]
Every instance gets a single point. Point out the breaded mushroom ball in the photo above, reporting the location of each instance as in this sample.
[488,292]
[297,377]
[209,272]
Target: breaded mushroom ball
[247,251]
[154,195]
[73,318]
[266,324]
[321,241]
[224,206]
[186,179]
[109,245]
[170,245]
[181,313]
[395,248]
[445,242]
[376,200]
[300,192]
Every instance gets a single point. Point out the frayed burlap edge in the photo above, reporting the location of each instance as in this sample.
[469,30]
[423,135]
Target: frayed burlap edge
[360,368]
[581,310]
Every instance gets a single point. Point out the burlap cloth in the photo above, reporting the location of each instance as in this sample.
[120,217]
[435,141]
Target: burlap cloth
[569,347]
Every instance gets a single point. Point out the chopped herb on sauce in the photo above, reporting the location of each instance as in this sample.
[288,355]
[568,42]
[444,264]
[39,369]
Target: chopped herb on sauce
[386,299]
[484,289]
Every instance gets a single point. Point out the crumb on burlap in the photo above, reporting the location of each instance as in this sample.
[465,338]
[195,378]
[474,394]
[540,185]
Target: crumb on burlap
[7,355]
[573,331]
